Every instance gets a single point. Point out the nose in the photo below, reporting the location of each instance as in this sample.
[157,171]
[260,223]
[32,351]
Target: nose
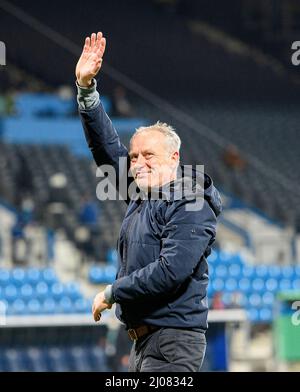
[140,161]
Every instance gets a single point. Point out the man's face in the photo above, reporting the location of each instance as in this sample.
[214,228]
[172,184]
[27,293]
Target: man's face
[151,162]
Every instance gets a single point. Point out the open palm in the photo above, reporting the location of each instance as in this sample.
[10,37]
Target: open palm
[90,60]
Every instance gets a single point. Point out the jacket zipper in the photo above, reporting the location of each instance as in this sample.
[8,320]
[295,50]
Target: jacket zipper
[133,218]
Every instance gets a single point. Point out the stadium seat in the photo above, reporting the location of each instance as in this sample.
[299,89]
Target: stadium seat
[18,307]
[18,277]
[235,270]
[33,276]
[42,290]
[34,307]
[110,274]
[218,284]
[221,271]
[258,285]
[231,285]
[4,277]
[244,284]
[271,285]
[26,292]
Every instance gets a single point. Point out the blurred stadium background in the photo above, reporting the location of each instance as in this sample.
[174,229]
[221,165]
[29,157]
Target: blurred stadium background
[221,74]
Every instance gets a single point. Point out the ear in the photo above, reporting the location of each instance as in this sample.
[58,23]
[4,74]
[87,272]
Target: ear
[175,157]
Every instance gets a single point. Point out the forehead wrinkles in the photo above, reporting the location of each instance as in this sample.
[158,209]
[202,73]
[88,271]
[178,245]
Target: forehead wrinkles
[153,140]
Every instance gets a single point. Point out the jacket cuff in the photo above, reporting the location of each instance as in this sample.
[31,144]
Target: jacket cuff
[87,90]
[108,295]
[87,97]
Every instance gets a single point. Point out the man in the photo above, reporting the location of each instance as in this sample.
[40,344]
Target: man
[160,288]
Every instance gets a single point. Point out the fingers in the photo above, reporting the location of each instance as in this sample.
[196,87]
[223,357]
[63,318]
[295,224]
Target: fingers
[87,43]
[93,40]
[97,315]
[102,46]
[99,36]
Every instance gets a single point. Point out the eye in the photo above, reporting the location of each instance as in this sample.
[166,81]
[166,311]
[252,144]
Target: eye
[149,155]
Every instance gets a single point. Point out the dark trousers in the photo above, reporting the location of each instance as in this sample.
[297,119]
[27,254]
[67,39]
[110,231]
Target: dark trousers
[168,350]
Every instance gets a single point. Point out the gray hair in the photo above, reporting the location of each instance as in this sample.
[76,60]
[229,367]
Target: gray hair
[173,140]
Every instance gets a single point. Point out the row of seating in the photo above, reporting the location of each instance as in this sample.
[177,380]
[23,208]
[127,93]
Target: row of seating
[41,291]
[252,272]
[54,359]
[27,291]
[32,276]
[64,305]
[259,285]
[102,274]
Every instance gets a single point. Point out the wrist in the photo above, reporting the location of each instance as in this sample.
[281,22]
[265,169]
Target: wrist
[85,83]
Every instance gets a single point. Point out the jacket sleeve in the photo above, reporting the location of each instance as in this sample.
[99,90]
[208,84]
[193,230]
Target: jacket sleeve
[186,236]
[105,145]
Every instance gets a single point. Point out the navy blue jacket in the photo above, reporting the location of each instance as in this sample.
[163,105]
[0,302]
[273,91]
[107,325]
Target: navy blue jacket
[162,248]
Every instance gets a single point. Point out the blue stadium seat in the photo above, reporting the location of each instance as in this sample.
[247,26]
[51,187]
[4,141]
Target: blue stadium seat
[237,259]
[244,284]
[221,271]
[268,299]
[14,360]
[271,285]
[265,314]
[258,285]
[225,257]
[226,299]
[18,276]
[57,291]
[255,300]
[34,307]
[18,307]
[33,276]
[72,290]
[66,305]
[49,306]
[287,272]
[10,293]
[231,285]
[4,277]
[296,284]
[42,290]
[261,271]
[110,274]
[82,305]
[213,257]
[49,276]
[80,359]
[248,271]
[218,284]
[235,270]
[26,292]
[112,257]
[96,275]
[285,284]
[274,271]
[57,359]
[297,271]
[253,315]
[98,359]
[36,360]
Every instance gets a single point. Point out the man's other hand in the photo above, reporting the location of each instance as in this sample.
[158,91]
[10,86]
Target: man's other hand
[91,58]
[99,305]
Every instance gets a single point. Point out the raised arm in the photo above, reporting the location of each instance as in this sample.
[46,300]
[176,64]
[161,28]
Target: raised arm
[102,138]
